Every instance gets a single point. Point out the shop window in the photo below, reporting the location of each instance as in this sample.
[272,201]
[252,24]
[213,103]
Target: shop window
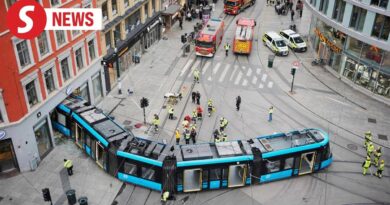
[215,174]
[43,138]
[272,166]
[130,168]
[92,49]
[380,3]
[104,11]
[7,156]
[114,7]
[65,69]
[381,27]
[358,17]
[148,173]
[97,86]
[289,162]
[49,80]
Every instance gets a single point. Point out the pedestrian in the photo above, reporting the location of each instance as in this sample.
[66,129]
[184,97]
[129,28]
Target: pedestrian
[367,137]
[194,116]
[270,111]
[193,135]
[199,112]
[181,23]
[165,197]
[196,75]
[227,46]
[292,15]
[366,165]
[185,124]
[200,14]
[193,96]
[377,155]
[69,166]
[210,106]
[177,136]
[198,98]
[223,122]
[370,149]
[290,5]
[187,135]
[224,137]
[216,134]
[380,169]
[300,8]
[170,112]
[156,122]
[238,102]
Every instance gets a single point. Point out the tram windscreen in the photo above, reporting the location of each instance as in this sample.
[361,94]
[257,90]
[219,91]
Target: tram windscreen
[204,44]
[231,3]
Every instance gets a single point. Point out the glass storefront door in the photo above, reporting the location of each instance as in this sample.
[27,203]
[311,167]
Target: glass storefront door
[7,157]
[42,135]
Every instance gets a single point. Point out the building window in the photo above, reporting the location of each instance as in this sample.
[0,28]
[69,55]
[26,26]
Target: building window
[126,2]
[97,86]
[10,2]
[117,34]
[380,3]
[104,11]
[381,27]
[108,40]
[43,44]
[91,49]
[54,2]
[31,92]
[61,38]
[42,135]
[75,33]
[79,58]
[338,10]
[23,53]
[114,7]
[322,3]
[49,80]
[65,69]
[146,10]
[358,17]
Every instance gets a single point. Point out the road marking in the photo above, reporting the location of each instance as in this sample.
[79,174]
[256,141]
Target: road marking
[270,84]
[195,66]
[224,73]
[216,68]
[249,72]
[264,78]
[258,71]
[234,72]
[206,66]
[261,86]
[186,67]
[238,78]
[243,67]
[343,103]
[254,80]
[245,82]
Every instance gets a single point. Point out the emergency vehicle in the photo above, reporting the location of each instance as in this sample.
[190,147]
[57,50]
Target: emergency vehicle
[293,40]
[243,38]
[234,7]
[276,43]
[209,38]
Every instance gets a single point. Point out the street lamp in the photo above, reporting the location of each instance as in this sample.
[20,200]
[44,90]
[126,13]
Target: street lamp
[118,71]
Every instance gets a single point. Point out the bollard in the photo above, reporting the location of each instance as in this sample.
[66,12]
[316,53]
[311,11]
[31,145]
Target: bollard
[71,195]
[271,60]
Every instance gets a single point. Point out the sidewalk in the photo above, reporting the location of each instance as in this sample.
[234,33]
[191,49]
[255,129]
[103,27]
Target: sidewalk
[88,180]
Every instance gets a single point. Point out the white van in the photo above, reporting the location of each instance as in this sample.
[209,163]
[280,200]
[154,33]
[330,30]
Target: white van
[276,43]
[293,40]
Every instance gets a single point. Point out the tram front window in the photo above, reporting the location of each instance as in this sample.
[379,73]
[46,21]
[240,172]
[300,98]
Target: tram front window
[204,44]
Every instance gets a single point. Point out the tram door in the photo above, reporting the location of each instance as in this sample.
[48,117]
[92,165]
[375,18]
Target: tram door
[307,163]
[100,155]
[237,175]
[79,135]
[192,180]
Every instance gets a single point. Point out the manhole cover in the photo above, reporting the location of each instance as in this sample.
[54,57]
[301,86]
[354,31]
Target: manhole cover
[372,120]
[126,122]
[382,137]
[352,146]
[138,125]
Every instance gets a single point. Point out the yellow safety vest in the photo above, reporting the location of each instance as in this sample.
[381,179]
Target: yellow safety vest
[367,163]
[177,134]
[170,111]
[381,167]
[271,111]
[68,163]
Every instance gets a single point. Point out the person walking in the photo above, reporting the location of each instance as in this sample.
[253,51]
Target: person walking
[193,96]
[299,8]
[380,169]
[197,97]
[69,166]
[227,46]
[210,106]
[181,23]
[238,102]
[216,135]
[377,155]
[193,135]
[224,137]
[366,165]
[194,116]
[187,135]
[199,112]
[156,122]
[270,112]
[370,149]
[170,112]
[177,136]
[292,15]
[367,138]
[196,75]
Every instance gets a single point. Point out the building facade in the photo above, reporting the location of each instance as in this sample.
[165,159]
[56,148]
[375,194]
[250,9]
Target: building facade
[131,27]
[353,37]
[38,74]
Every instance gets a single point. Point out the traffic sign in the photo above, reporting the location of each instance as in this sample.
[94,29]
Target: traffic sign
[296,64]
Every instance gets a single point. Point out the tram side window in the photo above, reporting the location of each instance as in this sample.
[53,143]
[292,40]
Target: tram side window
[289,162]
[130,168]
[225,173]
[87,139]
[205,175]
[215,174]
[61,119]
[273,166]
[148,173]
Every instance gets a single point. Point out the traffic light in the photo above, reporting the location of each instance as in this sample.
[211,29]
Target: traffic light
[144,102]
[293,70]
[46,194]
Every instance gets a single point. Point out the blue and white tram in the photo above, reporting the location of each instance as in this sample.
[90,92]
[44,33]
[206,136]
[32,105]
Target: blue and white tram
[190,168]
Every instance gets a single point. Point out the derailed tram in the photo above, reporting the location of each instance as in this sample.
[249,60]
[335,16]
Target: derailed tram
[190,168]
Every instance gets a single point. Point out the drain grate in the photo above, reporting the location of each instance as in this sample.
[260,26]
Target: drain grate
[126,122]
[382,137]
[352,146]
[372,120]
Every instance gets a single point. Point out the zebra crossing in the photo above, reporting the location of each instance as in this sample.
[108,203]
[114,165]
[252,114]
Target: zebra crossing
[239,75]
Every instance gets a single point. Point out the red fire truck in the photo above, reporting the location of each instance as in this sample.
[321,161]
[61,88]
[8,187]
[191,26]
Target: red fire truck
[234,7]
[209,38]
[243,38]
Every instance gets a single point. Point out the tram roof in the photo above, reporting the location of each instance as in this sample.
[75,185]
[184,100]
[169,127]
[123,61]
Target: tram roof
[211,27]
